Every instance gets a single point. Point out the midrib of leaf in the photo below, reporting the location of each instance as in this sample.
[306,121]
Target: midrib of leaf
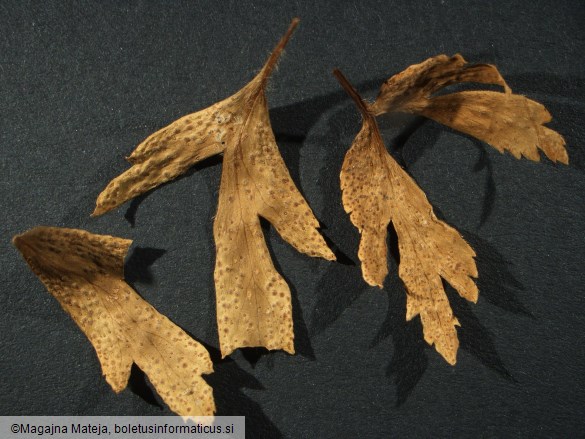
[128,331]
[396,214]
[256,95]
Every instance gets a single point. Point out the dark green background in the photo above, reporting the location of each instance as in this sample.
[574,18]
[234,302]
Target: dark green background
[82,83]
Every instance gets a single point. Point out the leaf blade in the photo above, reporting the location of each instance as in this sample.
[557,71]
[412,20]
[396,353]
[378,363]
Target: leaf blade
[377,191]
[506,121]
[255,183]
[172,150]
[84,273]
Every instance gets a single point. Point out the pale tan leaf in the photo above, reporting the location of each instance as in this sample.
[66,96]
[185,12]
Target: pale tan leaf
[172,150]
[253,300]
[410,89]
[85,273]
[508,122]
[377,191]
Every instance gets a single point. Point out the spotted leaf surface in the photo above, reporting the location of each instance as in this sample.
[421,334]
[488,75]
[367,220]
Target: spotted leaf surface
[377,192]
[253,300]
[507,121]
[85,273]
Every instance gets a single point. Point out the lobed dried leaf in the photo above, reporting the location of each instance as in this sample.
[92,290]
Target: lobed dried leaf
[377,191]
[253,300]
[507,121]
[85,272]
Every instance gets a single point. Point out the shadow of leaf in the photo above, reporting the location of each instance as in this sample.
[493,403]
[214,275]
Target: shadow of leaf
[409,361]
[489,198]
[227,381]
[139,385]
[474,337]
[137,270]
[339,287]
[253,355]
[135,203]
[496,282]
[302,341]
[137,266]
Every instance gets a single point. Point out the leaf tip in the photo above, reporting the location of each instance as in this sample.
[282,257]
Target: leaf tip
[373,282]
[16,241]
[564,156]
[328,254]
[116,386]
[295,22]
[99,208]
[448,352]
[451,360]
[28,237]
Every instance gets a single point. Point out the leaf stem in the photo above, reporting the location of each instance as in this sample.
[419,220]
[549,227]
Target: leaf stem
[275,55]
[351,91]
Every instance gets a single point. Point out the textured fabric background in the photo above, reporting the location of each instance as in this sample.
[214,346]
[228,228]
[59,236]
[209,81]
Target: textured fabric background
[82,83]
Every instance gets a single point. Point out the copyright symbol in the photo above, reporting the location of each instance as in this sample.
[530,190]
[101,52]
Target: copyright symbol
[14,428]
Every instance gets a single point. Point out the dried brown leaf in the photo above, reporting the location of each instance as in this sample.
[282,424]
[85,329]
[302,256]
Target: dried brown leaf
[377,191]
[253,300]
[85,273]
[508,122]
